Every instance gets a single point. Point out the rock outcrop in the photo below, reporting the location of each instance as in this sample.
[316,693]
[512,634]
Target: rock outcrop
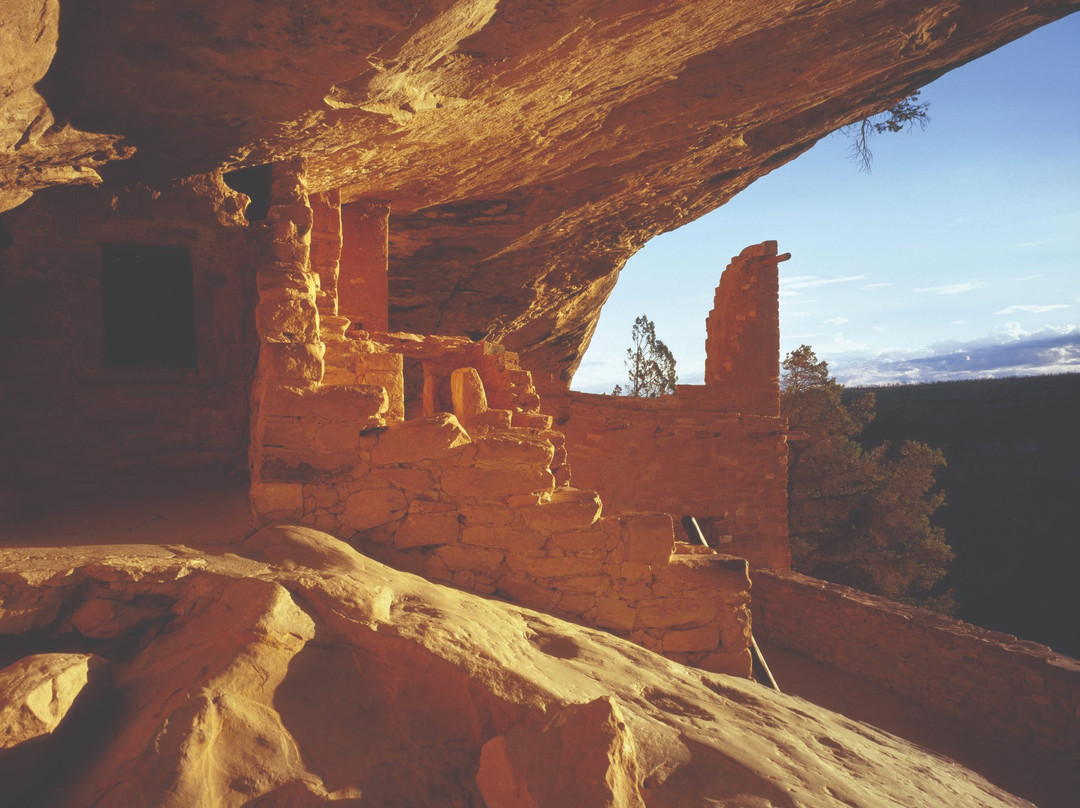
[526,148]
[292,671]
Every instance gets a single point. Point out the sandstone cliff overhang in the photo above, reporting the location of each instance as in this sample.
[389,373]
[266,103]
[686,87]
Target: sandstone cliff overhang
[527,148]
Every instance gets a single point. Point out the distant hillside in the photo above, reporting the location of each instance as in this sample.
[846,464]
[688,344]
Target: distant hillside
[1012,491]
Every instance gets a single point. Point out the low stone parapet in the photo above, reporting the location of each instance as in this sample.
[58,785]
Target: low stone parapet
[1020,689]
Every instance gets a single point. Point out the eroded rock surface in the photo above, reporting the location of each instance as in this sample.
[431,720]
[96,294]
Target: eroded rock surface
[293,671]
[526,148]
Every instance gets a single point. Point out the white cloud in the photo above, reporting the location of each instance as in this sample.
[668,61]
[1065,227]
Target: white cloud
[1008,350]
[953,288]
[1033,309]
[876,285]
[836,321]
[812,281]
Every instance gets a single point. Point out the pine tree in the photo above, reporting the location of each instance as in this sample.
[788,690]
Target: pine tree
[649,363]
[857,517]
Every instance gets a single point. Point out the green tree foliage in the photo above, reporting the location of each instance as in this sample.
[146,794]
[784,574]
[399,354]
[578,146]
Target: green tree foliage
[649,364]
[903,115]
[857,517]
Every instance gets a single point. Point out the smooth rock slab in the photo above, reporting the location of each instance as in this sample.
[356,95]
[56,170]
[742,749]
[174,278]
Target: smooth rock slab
[38,691]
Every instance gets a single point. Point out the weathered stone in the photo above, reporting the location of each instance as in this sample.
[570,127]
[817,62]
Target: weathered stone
[277,500]
[531,420]
[430,438]
[583,755]
[503,538]
[614,613]
[295,363]
[467,392]
[494,483]
[514,449]
[552,567]
[650,537]
[375,506]
[107,618]
[705,638]
[295,318]
[482,560]
[273,464]
[736,663]
[567,509]
[38,691]
[428,524]
[350,403]
[675,611]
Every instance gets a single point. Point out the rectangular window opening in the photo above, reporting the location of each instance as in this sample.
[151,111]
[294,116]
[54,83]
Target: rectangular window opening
[148,299]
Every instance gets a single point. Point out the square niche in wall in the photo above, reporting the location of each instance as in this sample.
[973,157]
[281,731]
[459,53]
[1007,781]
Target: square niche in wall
[148,301]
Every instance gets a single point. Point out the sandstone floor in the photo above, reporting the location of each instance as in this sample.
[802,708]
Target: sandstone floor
[293,670]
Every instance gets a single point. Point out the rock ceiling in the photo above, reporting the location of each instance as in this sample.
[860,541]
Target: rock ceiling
[527,147]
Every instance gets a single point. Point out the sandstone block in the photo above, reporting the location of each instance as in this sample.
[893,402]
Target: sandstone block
[540,567]
[531,420]
[38,691]
[288,432]
[268,280]
[581,583]
[273,464]
[430,438]
[296,318]
[502,538]
[736,663]
[576,603]
[349,403]
[336,437]
[514,449]
[408,479]
[527,592]
[485,514]
[296,363]
[490,419]
[665,612]
[467,394]
[614,613]
[588,542]
[377,506]
[583,755]
[428,524]
[277,500]
[567,509]
[650,537]
[489,483]
[481,560]
[296,213]
[705,638]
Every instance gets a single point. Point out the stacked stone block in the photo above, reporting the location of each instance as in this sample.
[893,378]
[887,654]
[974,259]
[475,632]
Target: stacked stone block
[488,508]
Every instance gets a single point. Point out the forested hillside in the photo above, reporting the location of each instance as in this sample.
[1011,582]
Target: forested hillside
[1012,486]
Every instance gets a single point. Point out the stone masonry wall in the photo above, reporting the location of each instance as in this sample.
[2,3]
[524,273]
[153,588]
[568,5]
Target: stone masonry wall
[71,420]
[484,506]
[716,452]
[687,456]
[1010,686]
[742,343]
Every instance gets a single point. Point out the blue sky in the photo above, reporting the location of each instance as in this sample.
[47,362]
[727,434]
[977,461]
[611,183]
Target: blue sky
[957,257]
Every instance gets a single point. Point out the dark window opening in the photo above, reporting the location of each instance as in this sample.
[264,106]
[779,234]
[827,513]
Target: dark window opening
[413,383]
[148,299]
[254,182]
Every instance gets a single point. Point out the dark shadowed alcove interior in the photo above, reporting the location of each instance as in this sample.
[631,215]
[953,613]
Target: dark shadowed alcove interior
[149,306]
